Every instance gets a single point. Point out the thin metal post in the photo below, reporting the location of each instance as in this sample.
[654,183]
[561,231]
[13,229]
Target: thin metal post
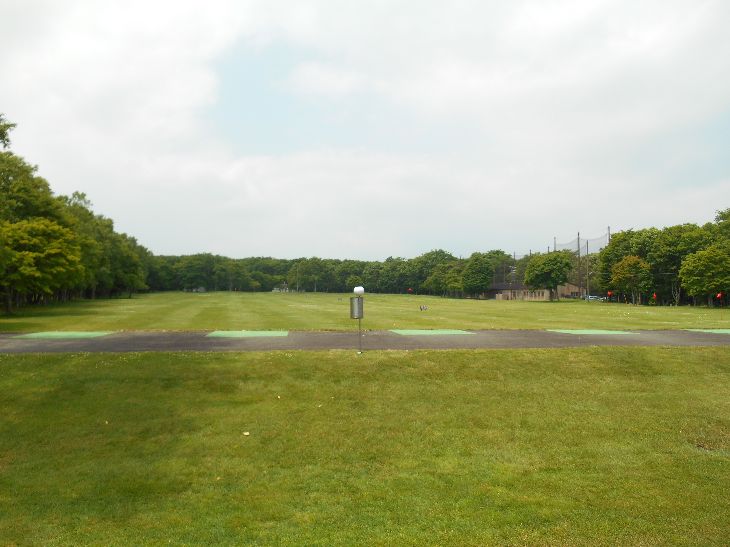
[588,281]
[359,335]
[580,279]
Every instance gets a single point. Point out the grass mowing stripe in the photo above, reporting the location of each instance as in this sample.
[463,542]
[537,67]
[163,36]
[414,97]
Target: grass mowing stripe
[62,335]
[247,333]
[711,331]
[429,332]
[329,312]
[590,331]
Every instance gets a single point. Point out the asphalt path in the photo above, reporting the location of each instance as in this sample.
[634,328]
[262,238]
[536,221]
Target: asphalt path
[371,340]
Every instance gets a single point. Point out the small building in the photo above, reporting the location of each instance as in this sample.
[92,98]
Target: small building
[519,291]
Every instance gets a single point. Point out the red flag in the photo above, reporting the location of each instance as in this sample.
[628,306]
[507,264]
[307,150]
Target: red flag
[719,295]
[654,296]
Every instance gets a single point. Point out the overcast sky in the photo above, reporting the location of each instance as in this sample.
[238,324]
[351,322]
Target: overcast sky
[373,129]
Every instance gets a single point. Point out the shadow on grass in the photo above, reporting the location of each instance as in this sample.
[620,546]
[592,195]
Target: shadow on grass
[29,318]
[91,443]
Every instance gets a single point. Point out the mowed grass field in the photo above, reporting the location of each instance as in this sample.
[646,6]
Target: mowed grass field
[321,311]
[595,446]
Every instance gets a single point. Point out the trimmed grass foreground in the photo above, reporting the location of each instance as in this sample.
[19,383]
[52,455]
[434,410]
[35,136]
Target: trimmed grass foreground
[226,311]
[590,446]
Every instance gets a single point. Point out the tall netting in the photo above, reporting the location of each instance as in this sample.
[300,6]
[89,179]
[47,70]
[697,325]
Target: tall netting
[588,246]
[581,245]
[510,273]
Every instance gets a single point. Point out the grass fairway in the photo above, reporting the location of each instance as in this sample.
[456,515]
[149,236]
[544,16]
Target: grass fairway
[590,446]
[227,311]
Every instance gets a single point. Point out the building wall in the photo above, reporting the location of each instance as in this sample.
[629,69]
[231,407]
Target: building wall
[539,295]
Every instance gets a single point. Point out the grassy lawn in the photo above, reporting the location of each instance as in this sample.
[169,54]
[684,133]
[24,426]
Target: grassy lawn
[267,311]
[590,446]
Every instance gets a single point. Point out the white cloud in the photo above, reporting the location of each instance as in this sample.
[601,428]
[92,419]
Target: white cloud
[547,106]
[325,80]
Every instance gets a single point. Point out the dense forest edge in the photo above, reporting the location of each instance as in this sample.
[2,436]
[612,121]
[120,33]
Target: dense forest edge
[55,248]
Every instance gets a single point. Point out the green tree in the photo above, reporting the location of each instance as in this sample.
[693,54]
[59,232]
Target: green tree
[722,224]
[231,275]
[477,275]
[422,267]
[446,279]
[311,274]
[628,243]
[39,257]
[631,275]
[669,249]
[346,269]
[503,265]
[393,275]
[5,128]
[127,265]
[371,276]
[707,272]
[353,281]
[23,195]
[195,271]
[548,271]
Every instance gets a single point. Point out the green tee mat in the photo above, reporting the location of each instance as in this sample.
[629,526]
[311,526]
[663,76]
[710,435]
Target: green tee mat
[247,333]
[429,332]
[711,331]
[589,331]
[62,335]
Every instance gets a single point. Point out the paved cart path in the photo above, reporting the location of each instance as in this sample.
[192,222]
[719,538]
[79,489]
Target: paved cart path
[371,340]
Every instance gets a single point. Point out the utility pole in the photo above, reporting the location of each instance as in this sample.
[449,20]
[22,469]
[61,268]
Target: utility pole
[580,280]
[588,273]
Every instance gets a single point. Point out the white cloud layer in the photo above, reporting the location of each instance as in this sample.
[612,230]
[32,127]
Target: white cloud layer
[505,123]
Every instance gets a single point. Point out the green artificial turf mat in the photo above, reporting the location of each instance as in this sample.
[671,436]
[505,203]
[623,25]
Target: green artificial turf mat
[428,332]
[711,331]
[247,333]
[589,331]
[61,335]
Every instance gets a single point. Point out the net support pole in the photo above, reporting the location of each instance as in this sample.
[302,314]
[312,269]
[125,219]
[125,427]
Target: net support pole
[359,335]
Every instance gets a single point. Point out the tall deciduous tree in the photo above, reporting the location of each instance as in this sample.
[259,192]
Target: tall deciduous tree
[670,247]
[477,275]
[707,272]
[40,257]
[5,128]
[628,243]
[24,194]
[548,271]
[631,275]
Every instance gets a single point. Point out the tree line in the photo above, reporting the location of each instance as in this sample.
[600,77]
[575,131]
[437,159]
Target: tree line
[674,265]
[54,248]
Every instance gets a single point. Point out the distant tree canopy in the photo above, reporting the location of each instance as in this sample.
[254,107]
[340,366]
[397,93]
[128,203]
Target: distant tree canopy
[673,256]
[477,275]
[631,275]
[706,273]
[53,248]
